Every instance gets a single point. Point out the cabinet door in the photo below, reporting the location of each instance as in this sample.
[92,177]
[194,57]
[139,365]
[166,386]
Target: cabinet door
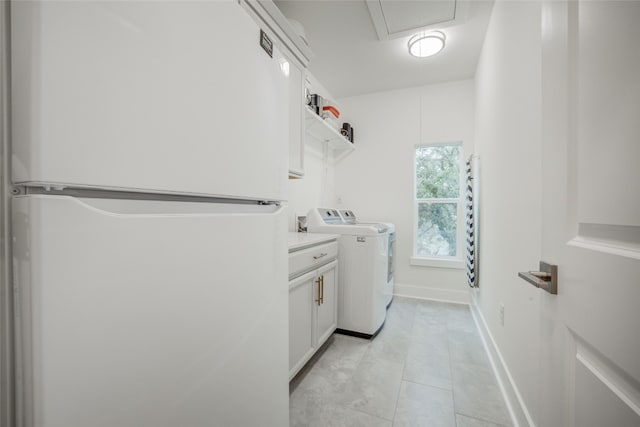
[301,321]
[296,120]
[327,310]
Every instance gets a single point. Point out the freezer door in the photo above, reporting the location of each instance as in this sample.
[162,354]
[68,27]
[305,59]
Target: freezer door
[170,96]
[151,314]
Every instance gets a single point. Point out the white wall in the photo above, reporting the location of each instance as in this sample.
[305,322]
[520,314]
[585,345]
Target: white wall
[376,181]
[507,139]
[316,188]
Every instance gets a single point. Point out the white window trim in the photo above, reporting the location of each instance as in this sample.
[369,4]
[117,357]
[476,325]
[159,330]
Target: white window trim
[442,262]
[457,262]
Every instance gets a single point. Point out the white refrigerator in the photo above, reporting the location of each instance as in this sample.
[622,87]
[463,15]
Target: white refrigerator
[150,162]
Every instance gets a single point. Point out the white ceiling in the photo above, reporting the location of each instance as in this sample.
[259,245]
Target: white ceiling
[350,59]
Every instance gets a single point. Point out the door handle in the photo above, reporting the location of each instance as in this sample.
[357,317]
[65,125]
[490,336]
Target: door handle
[322,288]
[320,256]
[546,278]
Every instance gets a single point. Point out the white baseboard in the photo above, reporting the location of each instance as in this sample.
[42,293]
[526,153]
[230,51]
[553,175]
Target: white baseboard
[422,292]
[518,410]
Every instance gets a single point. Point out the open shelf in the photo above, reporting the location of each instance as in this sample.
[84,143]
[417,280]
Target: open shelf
[320,130]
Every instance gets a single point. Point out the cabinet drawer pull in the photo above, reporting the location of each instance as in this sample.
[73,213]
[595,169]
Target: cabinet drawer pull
[319,300]
[322,289]
[320,256]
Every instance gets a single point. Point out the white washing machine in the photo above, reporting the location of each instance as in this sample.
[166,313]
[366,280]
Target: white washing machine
[349,217]
[363,263]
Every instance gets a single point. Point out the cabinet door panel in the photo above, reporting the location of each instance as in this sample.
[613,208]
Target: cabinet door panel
[328,310]
[301,322]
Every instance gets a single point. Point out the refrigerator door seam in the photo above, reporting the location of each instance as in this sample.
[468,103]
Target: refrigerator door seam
[19,190]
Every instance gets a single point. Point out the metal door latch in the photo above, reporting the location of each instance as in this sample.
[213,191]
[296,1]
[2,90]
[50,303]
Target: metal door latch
[546,278]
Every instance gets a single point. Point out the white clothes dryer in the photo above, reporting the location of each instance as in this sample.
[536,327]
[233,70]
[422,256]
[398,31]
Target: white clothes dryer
[349,217]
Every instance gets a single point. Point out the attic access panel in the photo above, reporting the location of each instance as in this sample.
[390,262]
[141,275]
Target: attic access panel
[399,18]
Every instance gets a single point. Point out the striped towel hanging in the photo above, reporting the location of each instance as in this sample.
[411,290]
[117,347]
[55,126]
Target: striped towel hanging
[471,244]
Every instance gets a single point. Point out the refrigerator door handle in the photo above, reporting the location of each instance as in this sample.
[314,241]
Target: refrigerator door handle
[127,208]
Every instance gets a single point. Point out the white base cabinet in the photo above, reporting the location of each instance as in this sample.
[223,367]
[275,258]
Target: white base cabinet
[313,309]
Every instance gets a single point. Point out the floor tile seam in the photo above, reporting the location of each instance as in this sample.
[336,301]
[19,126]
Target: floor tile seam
[472,363]
[404,365]
[361,358]
[362,411]
[398,364]
[453,388]
[429,385]
[411,338]
[486,420]
[428,347]
[395,406]
[487,389]
[453,407]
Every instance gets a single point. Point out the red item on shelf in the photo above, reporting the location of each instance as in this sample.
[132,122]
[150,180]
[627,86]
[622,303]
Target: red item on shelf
[332,110]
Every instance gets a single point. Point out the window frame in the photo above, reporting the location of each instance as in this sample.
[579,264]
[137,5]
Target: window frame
[441,261]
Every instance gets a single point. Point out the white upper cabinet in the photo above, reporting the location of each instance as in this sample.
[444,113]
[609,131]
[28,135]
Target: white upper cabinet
[296,121]
[104,87]
[298,55]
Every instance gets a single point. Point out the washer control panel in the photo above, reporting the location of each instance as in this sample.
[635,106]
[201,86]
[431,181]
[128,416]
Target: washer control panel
[330,216]
[348,216]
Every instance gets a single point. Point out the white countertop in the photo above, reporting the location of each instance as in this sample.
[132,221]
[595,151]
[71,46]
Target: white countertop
[302,240]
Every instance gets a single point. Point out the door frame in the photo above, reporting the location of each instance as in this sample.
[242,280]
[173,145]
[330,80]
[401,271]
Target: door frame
[7,332]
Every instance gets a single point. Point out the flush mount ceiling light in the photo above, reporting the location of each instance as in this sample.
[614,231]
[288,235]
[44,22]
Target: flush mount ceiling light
[426,44]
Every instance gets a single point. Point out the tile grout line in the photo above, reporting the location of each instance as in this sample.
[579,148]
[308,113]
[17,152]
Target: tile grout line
[484,420]
[404,365]
[429,385]
[453,392]
[368,413]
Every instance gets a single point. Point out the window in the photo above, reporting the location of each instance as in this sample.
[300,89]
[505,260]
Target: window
[439,203]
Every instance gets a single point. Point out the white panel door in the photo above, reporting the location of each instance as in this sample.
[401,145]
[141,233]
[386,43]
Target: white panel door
[171,96]
[302,322]
[591,214]
[151,314]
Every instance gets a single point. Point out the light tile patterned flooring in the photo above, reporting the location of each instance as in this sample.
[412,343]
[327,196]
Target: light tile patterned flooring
[427,367]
